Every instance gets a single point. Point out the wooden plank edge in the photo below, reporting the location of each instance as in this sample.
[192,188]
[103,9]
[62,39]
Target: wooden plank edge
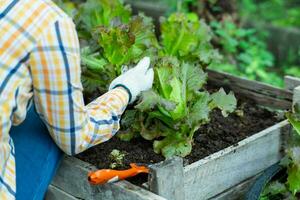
[290,82]
[140,192]
[156,7]
[54,193]
[251,85]
[122,186]
[262,99]
[166,178]
[234,147]
[236,192]
[296,97]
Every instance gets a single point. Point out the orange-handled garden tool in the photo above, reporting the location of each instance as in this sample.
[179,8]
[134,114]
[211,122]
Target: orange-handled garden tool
[108,175]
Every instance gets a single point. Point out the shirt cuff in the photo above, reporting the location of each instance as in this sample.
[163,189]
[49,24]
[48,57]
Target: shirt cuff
[124,94]
[123,87]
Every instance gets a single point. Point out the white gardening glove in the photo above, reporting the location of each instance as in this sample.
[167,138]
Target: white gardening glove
[138,79]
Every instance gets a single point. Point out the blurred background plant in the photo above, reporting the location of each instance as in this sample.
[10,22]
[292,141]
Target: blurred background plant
[285,13]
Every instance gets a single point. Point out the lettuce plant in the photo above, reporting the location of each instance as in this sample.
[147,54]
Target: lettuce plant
[178,104]
[111,38]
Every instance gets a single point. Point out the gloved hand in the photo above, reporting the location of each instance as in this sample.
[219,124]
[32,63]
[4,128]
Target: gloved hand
[138,79]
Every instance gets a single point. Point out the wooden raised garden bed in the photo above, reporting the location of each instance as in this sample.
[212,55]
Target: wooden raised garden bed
[210,177]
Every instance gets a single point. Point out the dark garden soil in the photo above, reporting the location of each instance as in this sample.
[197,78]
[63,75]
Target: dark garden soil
[218,134]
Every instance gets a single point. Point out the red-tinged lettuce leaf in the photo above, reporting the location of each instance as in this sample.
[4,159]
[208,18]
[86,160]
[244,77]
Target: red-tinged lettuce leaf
[94,13]
[127,44]
[116,42]
[225,102]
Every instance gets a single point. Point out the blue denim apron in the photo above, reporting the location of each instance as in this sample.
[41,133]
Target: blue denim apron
[37,157]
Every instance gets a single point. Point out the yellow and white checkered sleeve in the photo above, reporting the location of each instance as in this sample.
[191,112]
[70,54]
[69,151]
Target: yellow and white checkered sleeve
[55,68]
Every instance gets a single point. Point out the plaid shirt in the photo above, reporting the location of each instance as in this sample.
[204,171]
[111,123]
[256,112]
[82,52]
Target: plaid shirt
[40,60]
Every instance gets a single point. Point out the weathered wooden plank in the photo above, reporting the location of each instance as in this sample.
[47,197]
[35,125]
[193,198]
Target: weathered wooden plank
[261,93]
[290,82]
[283,41]
[296,97]
[228,167]
[151,8]
[72,178]
[55,193]
[236,192]
[166,179]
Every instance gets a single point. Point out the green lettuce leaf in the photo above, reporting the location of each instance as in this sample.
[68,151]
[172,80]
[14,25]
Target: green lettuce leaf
[293,178]
[177,95]
[225,102]
[294,119]
[199,111]
[151,99]
[173,144]
[163,81]
[187,38]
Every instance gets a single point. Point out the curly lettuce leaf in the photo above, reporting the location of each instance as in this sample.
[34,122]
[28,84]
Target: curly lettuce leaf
[187,38]
[92,61]
[194,78]
[173,144]
[151,99]
[94,13]
[126,44]
[225,102]
[199,111]
[294,119]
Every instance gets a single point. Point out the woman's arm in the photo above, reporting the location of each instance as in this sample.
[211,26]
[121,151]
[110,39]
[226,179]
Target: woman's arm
[55,68]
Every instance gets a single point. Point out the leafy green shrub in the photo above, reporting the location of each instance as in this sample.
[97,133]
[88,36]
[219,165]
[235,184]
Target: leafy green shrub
[244,54]
[285,13]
